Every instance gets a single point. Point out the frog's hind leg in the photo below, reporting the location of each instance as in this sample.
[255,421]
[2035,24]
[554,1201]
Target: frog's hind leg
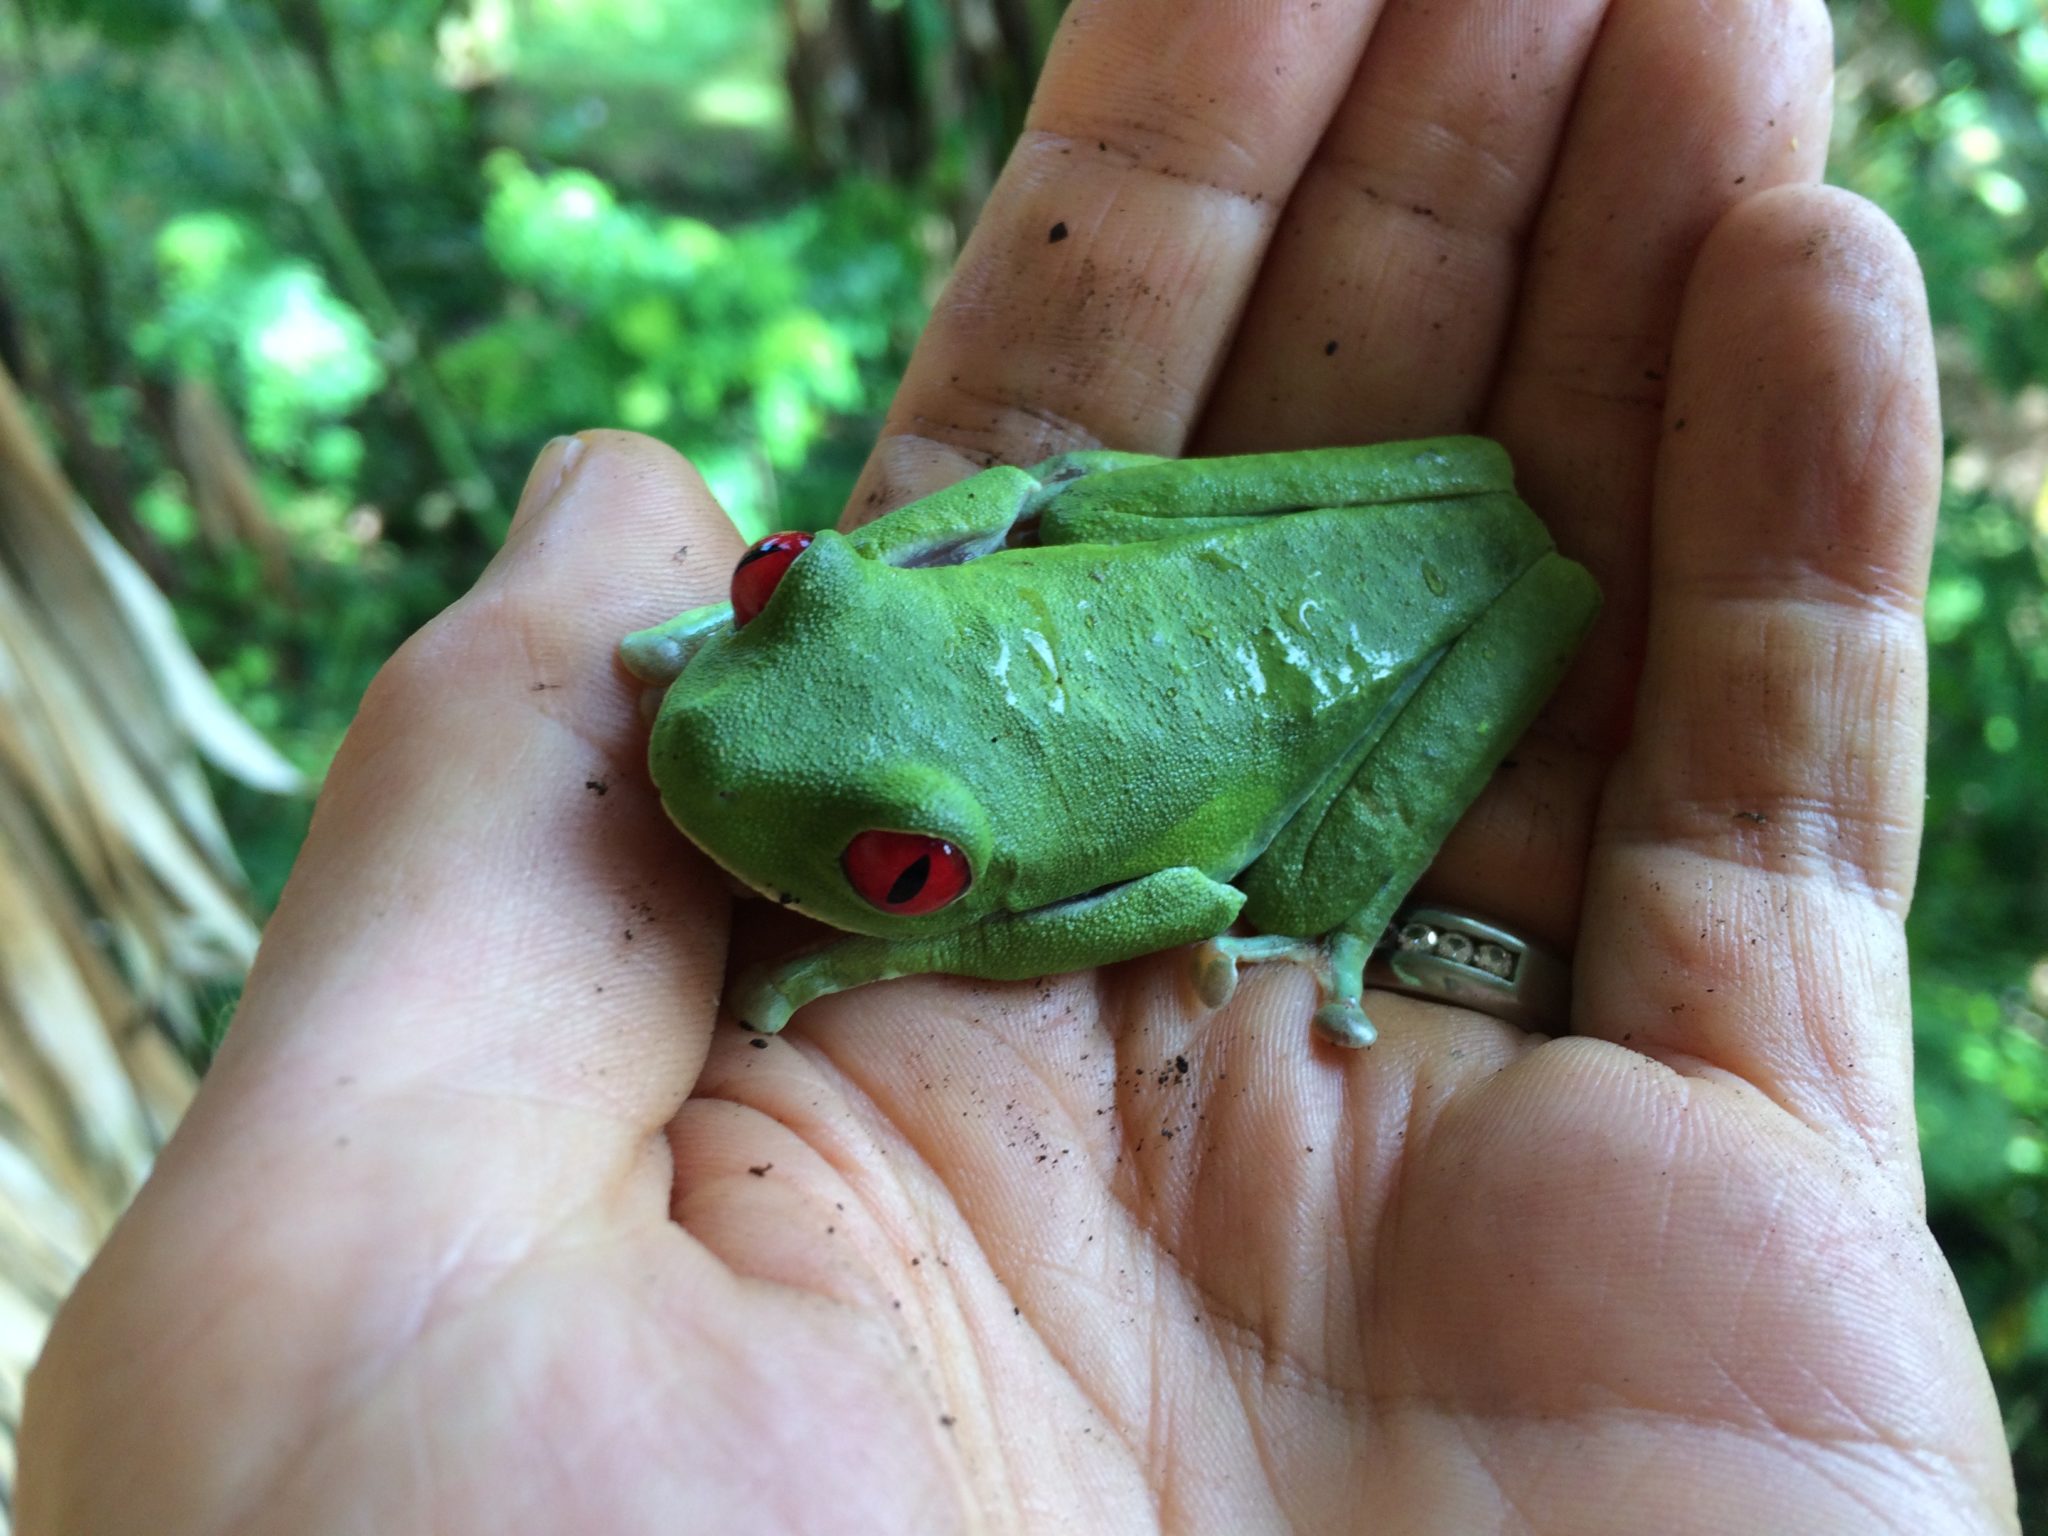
[1099,498]
[1343,865]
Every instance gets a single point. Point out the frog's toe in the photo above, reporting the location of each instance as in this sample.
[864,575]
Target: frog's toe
[759,1007]
[652,656]
[1345,1024]
[1213,973]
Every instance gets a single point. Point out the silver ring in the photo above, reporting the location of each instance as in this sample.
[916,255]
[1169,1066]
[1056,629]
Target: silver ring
[1454,957]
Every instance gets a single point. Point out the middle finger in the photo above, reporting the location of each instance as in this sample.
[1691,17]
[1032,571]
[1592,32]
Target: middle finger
[1381,309]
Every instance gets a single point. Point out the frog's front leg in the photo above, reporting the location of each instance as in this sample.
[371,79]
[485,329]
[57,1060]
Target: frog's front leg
[1162,911]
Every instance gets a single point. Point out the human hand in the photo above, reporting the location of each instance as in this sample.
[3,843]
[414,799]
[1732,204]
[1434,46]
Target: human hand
[479,1225]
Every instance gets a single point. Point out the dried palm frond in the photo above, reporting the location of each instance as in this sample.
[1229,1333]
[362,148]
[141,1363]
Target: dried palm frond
[232,512]
[121,904]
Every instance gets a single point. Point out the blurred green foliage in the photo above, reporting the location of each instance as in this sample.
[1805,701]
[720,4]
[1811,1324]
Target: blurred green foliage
[232,310]
[747,346]
[579,213]
[1943,120]
[406,241]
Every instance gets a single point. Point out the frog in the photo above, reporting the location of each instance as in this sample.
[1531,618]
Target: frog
[1059,717]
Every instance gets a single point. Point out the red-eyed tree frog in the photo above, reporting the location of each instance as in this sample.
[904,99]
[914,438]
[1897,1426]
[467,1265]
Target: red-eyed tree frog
[1054,718]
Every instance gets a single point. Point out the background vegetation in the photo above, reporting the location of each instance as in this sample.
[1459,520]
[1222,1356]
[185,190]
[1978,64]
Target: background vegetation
[298,289]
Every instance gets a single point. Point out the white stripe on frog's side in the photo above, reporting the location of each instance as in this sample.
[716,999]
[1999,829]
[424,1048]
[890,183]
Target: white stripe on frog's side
[1380,665]
[1056,689]
[1249,660]
[1001,671]
[1047,688]
[1298,657]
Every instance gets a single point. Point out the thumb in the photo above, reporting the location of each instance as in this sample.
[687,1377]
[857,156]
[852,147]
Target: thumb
[491,914]
[489,984]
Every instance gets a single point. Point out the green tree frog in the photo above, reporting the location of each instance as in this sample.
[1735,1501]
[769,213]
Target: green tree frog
[1053,718]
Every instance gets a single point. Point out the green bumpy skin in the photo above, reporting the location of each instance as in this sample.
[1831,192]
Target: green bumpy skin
[1148,699]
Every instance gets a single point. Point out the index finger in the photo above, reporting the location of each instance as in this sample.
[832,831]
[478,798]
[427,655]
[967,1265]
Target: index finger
[1093,302]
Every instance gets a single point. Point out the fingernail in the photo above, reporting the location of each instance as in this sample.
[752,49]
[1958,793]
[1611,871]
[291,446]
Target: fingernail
[544,480]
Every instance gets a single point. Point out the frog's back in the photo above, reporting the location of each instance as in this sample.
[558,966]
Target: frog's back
[1177,699]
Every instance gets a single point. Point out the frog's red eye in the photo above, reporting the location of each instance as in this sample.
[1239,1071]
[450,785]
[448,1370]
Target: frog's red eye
[905,872]
[754,579]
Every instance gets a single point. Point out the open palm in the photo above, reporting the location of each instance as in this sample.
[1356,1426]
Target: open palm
[479,1225]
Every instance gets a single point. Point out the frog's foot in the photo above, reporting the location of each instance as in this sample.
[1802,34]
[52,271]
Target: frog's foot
[758,1002]
[1341,1020]
[1345,1024]
[657,656]
[1216,961]
[1212,972]
[1337,962]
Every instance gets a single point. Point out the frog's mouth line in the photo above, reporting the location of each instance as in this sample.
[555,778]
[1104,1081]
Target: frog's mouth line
[741,884]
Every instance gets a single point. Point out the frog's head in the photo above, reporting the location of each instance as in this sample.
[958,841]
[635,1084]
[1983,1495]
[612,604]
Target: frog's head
[807,753]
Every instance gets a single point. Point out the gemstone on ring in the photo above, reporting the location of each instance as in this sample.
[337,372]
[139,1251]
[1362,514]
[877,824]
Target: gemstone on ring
[1494,960]
[1417,937]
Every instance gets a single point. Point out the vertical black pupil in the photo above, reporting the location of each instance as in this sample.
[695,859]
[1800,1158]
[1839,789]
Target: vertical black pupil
[911,881]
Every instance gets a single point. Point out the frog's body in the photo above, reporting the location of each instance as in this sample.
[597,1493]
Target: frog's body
[1269,683]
